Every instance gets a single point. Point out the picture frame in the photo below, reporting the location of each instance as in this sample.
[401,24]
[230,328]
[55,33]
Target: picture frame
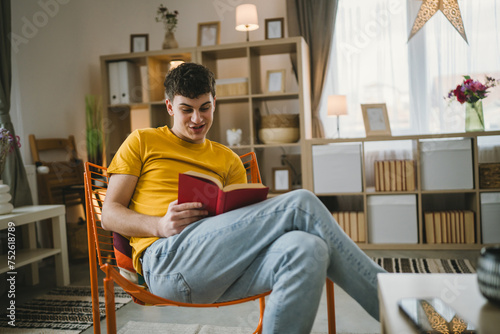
[275,28]
[209,33]
[376,119]
[275,81]
[282,179]
[139,42]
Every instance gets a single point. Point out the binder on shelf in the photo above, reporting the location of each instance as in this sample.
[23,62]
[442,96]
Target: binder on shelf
[124,83]
[361,227]
[430,236]
[387,176]
[410,175]
[353,219]
[451,227]
[352,223]
[470,234]
[399,175]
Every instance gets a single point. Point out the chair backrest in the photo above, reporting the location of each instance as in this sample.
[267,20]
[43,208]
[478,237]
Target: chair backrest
[47,146]
[65,169]
[113,248]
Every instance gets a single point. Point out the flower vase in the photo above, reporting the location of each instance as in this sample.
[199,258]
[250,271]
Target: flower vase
[5,197]
[169,41]
[474,120]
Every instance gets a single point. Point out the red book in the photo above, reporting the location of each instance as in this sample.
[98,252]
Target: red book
[199,187]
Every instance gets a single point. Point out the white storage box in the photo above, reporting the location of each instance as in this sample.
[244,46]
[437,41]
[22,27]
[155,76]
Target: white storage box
[446,164]
[337,168]
[392,219]
[490,217]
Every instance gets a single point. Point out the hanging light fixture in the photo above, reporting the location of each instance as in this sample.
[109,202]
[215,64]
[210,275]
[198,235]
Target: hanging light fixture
[449,8]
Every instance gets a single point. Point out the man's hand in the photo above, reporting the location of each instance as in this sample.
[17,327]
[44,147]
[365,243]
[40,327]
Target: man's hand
[179,216]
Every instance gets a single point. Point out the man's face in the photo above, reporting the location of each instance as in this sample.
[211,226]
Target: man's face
[192,117]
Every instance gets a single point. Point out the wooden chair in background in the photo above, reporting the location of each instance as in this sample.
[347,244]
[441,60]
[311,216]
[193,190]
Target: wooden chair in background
[62,183]
[108,250]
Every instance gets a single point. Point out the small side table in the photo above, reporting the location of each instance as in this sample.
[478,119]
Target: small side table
[460,291]
[28,215]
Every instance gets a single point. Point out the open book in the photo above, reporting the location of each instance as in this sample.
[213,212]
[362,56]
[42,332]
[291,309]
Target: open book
[199,187]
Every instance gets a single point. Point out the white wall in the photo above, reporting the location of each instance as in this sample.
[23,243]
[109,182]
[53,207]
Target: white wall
[57,43]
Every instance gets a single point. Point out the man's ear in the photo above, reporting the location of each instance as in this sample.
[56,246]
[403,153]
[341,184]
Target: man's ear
[170,107]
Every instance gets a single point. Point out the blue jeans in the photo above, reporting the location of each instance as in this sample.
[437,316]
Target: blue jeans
[288,244]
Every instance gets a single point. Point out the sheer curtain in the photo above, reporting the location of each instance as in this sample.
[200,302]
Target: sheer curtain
[372,61]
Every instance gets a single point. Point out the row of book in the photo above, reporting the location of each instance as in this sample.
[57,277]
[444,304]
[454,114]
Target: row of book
[353,224]
[394,175]
[457,226]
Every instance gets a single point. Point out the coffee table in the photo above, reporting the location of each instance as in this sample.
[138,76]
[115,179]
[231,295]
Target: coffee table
[461,291]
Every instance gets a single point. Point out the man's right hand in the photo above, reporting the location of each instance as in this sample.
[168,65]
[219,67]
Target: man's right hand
[179,216]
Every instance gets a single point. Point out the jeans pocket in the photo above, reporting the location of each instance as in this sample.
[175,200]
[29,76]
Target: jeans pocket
[170,286]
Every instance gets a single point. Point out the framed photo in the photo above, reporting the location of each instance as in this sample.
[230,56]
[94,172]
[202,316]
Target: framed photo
[282,179]
[274,28]
[275,81]
[139,43]
[209,33]
[376,119]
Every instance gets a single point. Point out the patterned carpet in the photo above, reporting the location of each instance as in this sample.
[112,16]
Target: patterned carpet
[62,310]
[425,266]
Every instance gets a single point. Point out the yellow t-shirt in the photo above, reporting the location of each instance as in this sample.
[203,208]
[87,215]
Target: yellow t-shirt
[157,157]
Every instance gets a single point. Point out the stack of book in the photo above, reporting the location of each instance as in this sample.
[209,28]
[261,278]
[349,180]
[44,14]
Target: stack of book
[394,175]
[457,226]
[353,224]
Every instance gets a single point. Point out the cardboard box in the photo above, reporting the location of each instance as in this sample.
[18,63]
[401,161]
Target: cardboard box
[490,217]
[337,168]
[392,219]
[231,87]
[446,164]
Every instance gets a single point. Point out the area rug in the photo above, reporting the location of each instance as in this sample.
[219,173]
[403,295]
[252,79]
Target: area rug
[425,266]
[60,311]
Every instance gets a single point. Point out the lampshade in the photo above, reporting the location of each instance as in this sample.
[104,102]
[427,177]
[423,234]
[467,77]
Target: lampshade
[246,17]
[174,63]
[337,105]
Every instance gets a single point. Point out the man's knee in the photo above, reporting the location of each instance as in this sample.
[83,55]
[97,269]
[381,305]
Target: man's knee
[311,251]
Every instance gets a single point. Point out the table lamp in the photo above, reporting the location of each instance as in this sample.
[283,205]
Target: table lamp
[337,105]
[246,18]
[174,63]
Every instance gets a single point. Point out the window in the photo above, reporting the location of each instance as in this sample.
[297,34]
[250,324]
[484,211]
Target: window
[372,61]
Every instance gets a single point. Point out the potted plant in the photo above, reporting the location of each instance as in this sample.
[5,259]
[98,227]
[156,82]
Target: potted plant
[94,133]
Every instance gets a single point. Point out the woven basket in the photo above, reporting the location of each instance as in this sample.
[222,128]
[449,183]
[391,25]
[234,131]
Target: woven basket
[280,121]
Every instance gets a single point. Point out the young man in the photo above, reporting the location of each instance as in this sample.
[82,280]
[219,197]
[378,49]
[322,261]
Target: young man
[288,244]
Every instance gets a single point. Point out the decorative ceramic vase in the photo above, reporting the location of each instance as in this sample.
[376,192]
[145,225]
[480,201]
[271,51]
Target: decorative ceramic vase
[233,137]
[5,197]
[474,120]
[488,273]
[169,42]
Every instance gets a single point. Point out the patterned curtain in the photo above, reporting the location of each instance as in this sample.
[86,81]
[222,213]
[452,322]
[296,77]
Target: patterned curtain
[14,173]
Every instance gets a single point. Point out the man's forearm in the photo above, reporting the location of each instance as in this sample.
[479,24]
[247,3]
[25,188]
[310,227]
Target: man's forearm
[117,218]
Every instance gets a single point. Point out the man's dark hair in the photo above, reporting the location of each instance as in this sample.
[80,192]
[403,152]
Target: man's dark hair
[190,80]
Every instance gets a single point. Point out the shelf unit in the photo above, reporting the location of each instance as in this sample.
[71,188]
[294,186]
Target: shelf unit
[427,200]
[30,254]
[249,60]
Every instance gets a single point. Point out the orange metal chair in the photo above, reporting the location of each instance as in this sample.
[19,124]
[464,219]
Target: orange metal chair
[101,250]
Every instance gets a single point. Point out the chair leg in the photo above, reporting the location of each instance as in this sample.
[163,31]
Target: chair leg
[262,305]
[109,297]
[330,302]
[94,284]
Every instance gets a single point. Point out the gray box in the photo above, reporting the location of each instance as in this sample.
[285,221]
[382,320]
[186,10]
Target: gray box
[490,217]
[392,219]
[446,164]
